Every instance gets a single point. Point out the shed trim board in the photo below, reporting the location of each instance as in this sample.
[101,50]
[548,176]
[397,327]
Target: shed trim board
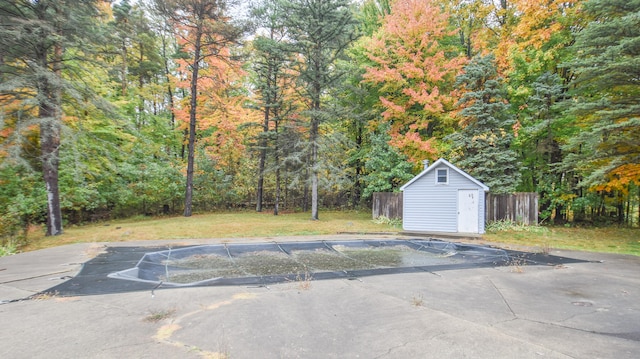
[450,165]
[429,205]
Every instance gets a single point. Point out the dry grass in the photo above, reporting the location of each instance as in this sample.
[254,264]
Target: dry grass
[44,296]
[304,281]
[159,315]
[417,300]
[213,225]
[517,265]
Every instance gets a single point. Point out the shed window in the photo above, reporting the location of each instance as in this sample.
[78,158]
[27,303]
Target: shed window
[442,176]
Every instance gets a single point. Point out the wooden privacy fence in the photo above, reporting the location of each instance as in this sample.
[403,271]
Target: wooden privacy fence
[387,204]
[521,207]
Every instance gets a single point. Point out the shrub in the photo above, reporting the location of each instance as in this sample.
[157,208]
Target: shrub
[511,226]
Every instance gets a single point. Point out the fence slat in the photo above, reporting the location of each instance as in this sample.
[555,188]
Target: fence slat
[387,204]
[521,208]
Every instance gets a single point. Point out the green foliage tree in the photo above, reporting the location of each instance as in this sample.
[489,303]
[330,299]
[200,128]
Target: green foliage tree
[123,31]
[607,90]
[357,102]
[371,14]
[270,62]
[605,153]
[543,129]
[354,102]
[483,145]
[387,168]
[140,70]
[41,42]
[540,126]
[22,202]
[469,17]
[320,31]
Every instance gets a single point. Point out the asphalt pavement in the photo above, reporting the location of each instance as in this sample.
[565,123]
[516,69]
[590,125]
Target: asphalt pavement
[586,306]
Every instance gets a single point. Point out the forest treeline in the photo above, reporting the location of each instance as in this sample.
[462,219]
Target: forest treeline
[120,108]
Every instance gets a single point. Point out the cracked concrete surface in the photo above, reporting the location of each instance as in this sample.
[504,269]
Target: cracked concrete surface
[468,313]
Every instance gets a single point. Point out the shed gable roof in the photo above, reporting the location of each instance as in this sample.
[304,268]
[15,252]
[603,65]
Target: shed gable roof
[451,166]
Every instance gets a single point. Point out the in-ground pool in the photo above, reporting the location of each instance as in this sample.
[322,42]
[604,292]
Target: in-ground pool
[265,263]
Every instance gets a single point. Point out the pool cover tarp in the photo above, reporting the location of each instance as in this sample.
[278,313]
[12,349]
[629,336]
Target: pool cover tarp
[276,262]
[124,269]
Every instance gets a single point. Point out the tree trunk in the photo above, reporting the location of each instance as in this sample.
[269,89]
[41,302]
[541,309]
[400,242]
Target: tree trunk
[315,124]
[49,144]
[276,203]
[1,65]
[628,204]
[263,156]
[141,118]
[123,69]
[50,117]
[185,137]
[305,189]
[260,188]
[188,198]
[167,74]
[314,167]
[620,207]
[359,169]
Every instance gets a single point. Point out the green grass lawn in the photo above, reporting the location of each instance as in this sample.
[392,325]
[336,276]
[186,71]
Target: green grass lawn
[605,239]
[252,224]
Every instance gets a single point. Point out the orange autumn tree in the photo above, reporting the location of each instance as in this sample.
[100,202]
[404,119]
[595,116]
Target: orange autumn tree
[515,30]
[539,36]
[219,106]
[204,32]
[414,69]
[220,115]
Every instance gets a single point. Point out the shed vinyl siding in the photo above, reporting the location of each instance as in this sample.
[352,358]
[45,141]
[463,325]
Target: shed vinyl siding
[431,207]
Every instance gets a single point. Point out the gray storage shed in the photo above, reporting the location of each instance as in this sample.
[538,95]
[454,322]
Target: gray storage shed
[444,198]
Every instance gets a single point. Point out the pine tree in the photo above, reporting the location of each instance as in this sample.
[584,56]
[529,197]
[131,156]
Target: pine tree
[320,31]
[139,63]
[543,131]
[607,89]
[270,62]
[38,39]
[482,146]
[541,126]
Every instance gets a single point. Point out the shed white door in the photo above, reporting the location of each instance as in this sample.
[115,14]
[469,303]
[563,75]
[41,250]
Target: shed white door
[468,211]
